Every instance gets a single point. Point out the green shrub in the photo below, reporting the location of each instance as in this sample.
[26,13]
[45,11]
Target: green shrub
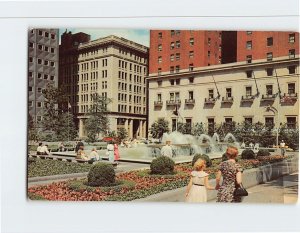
[204,157]
[101,174]
[248,154]
[263,152]
[162,165]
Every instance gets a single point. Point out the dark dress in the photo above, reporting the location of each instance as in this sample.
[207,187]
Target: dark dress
[229,169]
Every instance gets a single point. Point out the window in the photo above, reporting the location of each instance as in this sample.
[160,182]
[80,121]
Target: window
[172,82]
[177,32]
[177,56]
[191,54]
[291,88]
[52,63]
[159,97]
[159,71]
[30,59]
[269,56]
[249,58]
[30,103]
[159,47]
[46,62]
[160,35]
[292,69]
[208,41]
[191,41]
[51,77]
[159,83]
[249,32]
[228,92]
[228,120]
[249,73]
[31,45]
[172,45]
[211,93]
[39,75]
[269,121]
[45,76]
[249,45]
[291,122]
[159,59]
[292,38]
[40,32]
[248,120]
[211,125]
[39,118]
[52,50]
[172,57]
[270,71]
[172,32]
[39,90]
[188,123]
[39,61]
[270,41]
[46,34]
[269,89]
[248,91]
[174,124]
[191,80]
[177,97]
[191,67]
[172,96]
[177,81]
[178,44]
[29,88]
[30,74]
[46,48]
[172,69]
[292,53]
[39,104]
[52,36]
[191,95]
[208,53]
[177,69]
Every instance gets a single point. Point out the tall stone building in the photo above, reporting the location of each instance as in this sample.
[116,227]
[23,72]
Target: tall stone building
[42,67]
[112,67]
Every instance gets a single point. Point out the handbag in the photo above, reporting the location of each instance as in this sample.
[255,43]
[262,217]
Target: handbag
[240,191]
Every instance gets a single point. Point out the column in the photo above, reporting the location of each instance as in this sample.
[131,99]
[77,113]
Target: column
[130,129]
[80,128]
[140,129]
[126,126]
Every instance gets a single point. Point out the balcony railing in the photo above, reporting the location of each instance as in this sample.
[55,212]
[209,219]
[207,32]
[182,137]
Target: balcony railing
[173,102]
[248,98]
[227,99]
[268,97]
[209,100]
[158,103]
[190,101]
[291,95]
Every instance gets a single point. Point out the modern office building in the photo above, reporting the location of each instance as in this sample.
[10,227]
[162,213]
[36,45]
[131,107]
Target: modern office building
[42,67]
[112,67]
[263,90]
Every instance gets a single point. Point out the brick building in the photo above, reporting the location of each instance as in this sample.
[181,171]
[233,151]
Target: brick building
[174,51]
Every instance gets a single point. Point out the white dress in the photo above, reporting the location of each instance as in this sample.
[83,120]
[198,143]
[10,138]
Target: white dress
[198,191]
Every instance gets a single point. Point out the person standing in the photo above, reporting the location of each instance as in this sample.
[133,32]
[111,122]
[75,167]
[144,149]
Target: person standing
[166,150]
[282,147]
[198,185]
[232,176]
[116,152]
[110,152]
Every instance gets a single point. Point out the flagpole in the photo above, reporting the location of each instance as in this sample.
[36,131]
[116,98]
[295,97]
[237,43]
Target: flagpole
[278,103]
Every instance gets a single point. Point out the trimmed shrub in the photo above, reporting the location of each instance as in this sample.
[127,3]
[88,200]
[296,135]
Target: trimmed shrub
[248,154]
[101,174]
[162,165]
[204,157]
[263,152]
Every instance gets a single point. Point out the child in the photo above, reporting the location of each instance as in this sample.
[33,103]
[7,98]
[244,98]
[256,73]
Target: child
[196,189]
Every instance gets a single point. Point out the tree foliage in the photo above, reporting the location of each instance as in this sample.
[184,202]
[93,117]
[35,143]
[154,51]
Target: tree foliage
[122,133]
[159,127]
[97,121]
[198,129]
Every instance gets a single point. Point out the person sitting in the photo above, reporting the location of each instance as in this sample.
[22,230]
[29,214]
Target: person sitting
[38,149]
[44,150]
[94,156]
[61,147]
[81,154]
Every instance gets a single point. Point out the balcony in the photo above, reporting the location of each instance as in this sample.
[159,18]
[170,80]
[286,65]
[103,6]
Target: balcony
[158,103]
[289,98]
[227,99]
[209,100]
[190,101]
[173,102]
[268,97]
[248,98]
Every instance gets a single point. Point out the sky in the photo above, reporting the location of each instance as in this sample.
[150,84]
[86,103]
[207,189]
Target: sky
[137,35]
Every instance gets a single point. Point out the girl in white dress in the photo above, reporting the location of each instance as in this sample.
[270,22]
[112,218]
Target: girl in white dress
[196,189]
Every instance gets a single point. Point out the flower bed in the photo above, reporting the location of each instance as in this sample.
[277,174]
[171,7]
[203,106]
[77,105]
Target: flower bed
[139,183]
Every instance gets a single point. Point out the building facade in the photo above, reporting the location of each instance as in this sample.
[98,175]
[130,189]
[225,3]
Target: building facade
[226,93]
[42,67]
[175,51]
[112,67]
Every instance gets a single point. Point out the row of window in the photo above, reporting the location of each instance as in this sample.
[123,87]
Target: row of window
[136,89]
[42,76]
[174,96]
[136,78]
[93,52]
[43,62]
[137,110]
[42,47]
[136,99]
[177,33]
[135,68]
[44,33]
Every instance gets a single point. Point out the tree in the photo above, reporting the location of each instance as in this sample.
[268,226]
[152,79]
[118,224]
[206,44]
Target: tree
[290,136]
[122,133]
[198,129]
[32,131]
[57,119]
[97,121]
[159,127]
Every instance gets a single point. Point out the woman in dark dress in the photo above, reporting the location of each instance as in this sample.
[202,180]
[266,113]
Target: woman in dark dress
[232,175]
